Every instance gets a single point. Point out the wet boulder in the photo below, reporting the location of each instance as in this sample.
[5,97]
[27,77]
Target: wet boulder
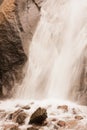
[38,117]
[19,117]
[63,107]
[61,123]
[78,117]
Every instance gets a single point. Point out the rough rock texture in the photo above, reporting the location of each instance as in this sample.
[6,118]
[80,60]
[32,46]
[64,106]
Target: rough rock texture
[18,20]
[19,117]
[32,128]
[39,116]
[29,14]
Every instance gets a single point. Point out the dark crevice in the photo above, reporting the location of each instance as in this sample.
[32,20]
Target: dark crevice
[18,17]
[36,5]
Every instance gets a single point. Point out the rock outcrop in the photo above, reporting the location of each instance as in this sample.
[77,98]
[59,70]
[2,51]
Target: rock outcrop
[18,20]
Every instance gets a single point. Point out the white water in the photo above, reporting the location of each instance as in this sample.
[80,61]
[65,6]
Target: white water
[57,50]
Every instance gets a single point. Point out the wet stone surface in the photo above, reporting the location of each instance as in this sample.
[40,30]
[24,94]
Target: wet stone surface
[32,128]
[19,117]
[39,116]
[78,117]
[61,123]
[28,116]
[11,127]
[63,107]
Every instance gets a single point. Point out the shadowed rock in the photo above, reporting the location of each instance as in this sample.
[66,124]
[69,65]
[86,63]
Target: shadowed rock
[17,25]
[39,116]
[12,56]
[32,128]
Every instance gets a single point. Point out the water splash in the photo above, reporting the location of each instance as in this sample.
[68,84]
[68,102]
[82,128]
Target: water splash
[57,50]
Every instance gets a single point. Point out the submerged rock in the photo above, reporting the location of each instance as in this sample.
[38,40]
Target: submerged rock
[72,124]
[39,116]
[14,128]
[11,127]
[2,114]
[61,123]
[32,128]
[19,117]
[78,117]
[63,107]
[26,107]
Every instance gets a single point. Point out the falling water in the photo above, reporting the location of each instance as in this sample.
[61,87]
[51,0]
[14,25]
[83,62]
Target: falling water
[57,50]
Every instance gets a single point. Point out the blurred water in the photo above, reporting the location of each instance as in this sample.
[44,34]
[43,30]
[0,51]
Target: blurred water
[57,50]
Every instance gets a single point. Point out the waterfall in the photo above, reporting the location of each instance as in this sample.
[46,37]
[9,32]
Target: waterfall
[56,52]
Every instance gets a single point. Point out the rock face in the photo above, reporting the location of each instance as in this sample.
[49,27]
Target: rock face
[79,91]
[18,20]
[83,83]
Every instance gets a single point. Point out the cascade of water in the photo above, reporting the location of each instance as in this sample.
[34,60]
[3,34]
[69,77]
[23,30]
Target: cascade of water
[56,51]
